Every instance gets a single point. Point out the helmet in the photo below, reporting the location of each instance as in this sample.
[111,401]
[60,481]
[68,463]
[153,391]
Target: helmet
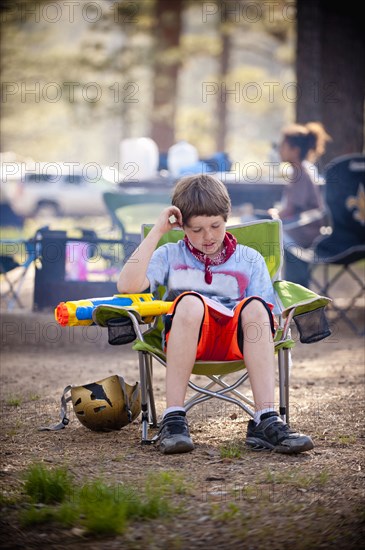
[106,405]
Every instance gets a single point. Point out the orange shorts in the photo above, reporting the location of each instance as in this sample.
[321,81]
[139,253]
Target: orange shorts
[220,337]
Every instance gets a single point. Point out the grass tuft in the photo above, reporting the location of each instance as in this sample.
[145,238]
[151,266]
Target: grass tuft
[47,486]
[99,508]
[34,397]
[166,483]
[230,451]
[347,439]
[102,509]
[14,401]
[37,516]
[225,513]
[297,478]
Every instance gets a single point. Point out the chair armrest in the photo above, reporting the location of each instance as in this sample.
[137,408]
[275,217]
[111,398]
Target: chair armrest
[297,299]
[144,311]
[306,308]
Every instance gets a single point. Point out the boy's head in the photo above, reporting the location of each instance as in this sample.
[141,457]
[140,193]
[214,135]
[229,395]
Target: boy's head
[201,195]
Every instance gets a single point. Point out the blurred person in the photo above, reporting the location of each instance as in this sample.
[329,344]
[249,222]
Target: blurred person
[301,146]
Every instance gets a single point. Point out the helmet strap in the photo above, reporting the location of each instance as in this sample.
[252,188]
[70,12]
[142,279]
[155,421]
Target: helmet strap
[126,398]
[63,413]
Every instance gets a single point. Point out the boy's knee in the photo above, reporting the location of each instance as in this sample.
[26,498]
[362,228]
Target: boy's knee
[190,307]
[255,310]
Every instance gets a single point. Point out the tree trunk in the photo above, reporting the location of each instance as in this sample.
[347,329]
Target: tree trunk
[331,72]
[222,103]
[167,33]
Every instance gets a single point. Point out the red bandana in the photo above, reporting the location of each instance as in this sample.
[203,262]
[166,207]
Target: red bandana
[229,247]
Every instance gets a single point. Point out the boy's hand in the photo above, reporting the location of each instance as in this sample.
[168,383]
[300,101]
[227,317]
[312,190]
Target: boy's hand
[169,218]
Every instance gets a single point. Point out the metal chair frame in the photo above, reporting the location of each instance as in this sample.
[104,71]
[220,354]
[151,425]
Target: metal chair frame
[149,415]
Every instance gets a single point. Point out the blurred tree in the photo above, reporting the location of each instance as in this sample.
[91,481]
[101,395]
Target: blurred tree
[331,72]
[167,62]
[265,17]
[90,55]
[224,69]
[256,53]
[146,63]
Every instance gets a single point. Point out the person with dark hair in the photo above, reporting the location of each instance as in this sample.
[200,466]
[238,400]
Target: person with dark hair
[301,146]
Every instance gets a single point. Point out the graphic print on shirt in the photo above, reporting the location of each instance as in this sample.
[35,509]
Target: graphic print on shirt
[225,283]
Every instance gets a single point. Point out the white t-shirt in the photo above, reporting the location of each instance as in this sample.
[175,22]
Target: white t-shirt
[244,274]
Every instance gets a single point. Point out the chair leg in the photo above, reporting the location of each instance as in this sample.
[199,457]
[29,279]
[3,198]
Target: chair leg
[19,287]
[218,380]
[342,313]
[13,294]
[283,361]
[147,398]
[150,396]
[225,388]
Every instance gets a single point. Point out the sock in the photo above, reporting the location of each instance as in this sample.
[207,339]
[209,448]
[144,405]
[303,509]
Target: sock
[257,416]
[171,410]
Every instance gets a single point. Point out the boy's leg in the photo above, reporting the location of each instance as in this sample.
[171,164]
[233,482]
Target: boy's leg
[181,349]
[258,351]
[180,358]
[267,431]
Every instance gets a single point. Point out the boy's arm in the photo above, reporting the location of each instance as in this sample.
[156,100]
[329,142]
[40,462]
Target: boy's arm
[132,278]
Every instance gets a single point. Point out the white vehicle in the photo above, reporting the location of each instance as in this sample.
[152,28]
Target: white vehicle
[61,192]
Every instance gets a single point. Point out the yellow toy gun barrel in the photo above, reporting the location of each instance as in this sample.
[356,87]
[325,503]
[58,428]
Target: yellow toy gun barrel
[147,309]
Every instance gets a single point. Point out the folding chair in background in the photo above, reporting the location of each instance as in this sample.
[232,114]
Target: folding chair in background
[15,256]
[336,255]
[295,302]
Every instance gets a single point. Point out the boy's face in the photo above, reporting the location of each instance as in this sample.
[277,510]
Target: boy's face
[206,233]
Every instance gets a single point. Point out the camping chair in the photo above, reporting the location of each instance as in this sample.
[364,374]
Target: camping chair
[337,254]
[15,255]
[306,307]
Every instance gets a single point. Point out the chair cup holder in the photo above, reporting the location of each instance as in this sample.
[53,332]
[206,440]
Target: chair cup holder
[312,326]
[120,331]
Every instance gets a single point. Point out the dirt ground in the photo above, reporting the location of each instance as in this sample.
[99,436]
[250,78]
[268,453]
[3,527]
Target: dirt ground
[253,501]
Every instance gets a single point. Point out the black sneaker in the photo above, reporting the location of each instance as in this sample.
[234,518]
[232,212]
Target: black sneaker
[174,436]
[274,435]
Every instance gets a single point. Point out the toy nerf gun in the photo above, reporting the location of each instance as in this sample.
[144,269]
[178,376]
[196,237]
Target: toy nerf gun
[80,312]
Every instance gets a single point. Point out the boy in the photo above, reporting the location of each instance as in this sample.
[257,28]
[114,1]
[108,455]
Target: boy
[208,263]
